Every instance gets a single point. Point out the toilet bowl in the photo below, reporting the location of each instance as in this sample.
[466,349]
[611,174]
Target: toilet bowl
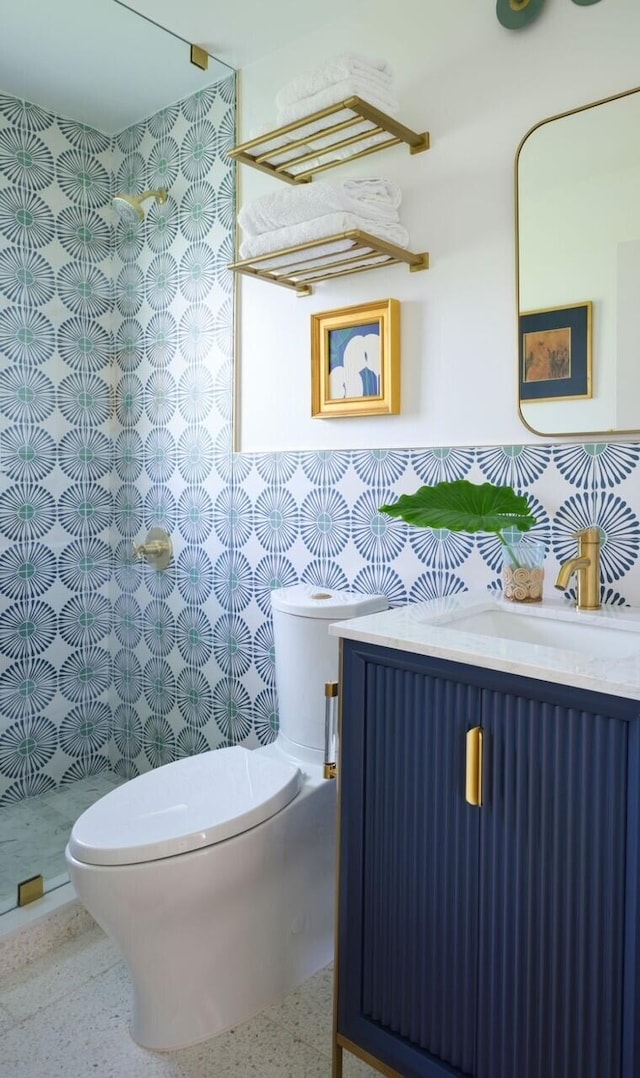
[214,875]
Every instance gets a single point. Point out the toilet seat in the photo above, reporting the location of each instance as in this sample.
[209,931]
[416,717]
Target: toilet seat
[186,805]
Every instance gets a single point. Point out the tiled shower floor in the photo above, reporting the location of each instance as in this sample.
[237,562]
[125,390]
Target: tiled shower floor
[34,833]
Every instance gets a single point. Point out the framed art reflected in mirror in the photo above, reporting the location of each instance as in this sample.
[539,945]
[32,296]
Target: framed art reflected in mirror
[555,354]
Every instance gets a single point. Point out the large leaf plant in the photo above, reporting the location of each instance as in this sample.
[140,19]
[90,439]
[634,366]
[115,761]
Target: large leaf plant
[462,506]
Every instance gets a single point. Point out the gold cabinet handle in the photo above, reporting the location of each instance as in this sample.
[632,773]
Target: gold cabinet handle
[473,790]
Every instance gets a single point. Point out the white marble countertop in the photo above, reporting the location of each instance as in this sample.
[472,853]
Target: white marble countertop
[607,659]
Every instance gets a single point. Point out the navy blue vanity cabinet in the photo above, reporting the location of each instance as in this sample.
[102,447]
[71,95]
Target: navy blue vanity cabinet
[491,941]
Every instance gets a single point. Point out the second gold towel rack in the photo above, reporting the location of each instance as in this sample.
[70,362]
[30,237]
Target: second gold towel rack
[300,267]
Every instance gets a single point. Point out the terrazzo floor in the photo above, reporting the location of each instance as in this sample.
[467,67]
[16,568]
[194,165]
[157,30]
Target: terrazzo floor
[66,1014]
[34,833]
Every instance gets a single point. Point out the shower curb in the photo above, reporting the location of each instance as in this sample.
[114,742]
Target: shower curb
[29,933]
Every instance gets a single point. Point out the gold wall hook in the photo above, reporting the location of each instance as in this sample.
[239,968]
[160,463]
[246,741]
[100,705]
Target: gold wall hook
[156,550]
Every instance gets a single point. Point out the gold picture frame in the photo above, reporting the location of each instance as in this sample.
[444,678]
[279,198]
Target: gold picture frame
[355,361]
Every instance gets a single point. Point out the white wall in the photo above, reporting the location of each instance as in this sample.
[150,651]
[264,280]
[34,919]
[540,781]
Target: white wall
[477,88]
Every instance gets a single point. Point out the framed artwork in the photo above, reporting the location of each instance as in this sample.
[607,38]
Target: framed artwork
[555,353]
[355,361]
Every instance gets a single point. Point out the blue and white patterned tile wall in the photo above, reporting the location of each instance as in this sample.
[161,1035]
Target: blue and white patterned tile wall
[173,334]
[115,397]
[56,300]
[313,516]
[90,308]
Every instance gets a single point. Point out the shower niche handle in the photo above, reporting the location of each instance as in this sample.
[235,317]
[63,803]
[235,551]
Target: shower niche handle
[156,550]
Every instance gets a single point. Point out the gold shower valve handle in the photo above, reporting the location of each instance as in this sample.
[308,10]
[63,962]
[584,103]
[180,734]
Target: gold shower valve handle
[157,548]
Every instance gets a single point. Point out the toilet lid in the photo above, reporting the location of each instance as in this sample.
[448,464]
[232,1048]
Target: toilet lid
[185,805]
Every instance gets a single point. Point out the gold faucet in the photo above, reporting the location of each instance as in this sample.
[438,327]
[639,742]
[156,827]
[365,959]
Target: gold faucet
[587,569]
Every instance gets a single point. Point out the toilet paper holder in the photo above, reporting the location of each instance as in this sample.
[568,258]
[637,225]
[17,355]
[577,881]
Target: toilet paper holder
[156,550]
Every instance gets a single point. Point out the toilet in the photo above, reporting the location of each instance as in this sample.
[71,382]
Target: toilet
[214,875]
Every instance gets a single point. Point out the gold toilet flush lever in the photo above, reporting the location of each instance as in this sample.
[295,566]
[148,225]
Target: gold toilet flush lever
[330,729]
[157,548]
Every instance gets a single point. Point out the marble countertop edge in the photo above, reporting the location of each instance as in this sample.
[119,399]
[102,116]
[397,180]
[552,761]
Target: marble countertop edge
[428,628]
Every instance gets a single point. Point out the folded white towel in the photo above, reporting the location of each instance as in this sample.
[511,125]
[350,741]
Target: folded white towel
[312,132]
[332,95]
[375,199]
[278,147]
[335,70]
[309,260]
[327,151]
[317,228]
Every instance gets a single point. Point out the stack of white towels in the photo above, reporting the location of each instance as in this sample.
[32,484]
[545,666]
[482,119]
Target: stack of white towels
[345,76]
[349,75]
[297,215]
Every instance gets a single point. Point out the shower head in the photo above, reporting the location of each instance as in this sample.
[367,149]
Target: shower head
[129,207]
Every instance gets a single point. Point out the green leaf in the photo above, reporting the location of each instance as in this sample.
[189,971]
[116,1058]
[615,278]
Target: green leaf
[462,506]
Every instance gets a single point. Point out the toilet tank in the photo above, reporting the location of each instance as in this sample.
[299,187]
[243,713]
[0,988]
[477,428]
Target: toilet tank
[307,657]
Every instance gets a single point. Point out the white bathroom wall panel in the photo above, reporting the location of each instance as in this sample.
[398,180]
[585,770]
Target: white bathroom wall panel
[478,88]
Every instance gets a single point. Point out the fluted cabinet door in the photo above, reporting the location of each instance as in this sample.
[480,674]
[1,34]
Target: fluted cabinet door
[553,841]
[409,868]
[492,940]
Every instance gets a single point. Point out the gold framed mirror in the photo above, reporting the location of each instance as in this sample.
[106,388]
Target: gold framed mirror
[577,178]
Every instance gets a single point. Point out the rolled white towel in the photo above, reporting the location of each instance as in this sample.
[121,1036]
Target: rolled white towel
[317,228]
[335,70]
[332,95]
[375,199]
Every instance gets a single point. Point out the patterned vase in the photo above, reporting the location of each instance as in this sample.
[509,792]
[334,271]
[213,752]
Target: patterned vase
[523,571]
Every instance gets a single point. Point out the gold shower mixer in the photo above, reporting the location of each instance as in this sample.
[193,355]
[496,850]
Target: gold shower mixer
[156,550]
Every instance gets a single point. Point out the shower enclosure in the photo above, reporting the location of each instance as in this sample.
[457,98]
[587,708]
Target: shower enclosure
[115,357]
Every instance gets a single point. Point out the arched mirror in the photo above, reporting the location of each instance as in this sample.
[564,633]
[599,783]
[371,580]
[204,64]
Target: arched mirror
[578,270]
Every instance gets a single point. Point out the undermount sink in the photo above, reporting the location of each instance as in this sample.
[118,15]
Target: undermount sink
[597,636]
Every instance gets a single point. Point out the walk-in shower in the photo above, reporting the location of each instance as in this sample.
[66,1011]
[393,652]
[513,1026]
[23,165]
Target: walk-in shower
[110,418]
[114,339]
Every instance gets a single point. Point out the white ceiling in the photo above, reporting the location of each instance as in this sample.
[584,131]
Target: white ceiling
[100,62]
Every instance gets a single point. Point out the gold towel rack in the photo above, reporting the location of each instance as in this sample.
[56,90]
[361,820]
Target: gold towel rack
[300,267]
[281,154]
